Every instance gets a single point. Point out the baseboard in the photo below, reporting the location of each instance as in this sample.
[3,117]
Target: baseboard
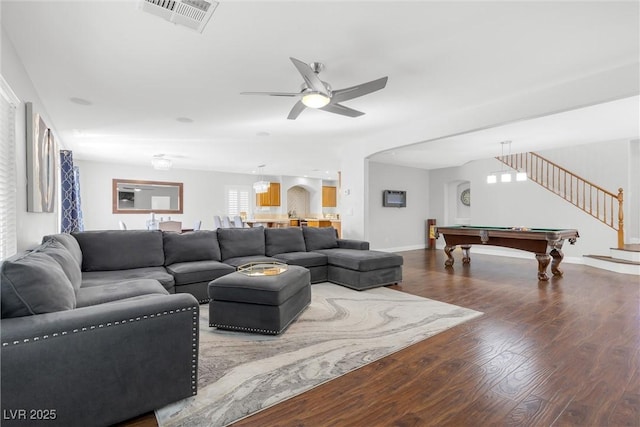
[400,248]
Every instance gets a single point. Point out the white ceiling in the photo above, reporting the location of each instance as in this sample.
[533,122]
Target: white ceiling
[141,73]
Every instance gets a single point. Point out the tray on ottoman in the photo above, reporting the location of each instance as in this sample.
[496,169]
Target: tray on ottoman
[260,303]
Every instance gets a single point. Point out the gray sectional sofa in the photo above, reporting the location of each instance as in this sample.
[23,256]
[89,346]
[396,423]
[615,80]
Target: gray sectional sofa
[100,326]
[186,263]
[78,353]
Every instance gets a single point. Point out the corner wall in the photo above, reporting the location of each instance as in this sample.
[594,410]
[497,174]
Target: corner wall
[397,229]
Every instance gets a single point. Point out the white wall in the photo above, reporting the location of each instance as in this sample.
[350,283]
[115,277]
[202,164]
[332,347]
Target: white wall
[397,229]
[529,205]
[610,165]
[204,193]
[30,226]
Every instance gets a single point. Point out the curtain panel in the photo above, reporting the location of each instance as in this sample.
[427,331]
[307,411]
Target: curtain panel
[71,210]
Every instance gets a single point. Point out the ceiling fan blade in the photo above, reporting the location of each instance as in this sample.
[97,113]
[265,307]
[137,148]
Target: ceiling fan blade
[271,93]
[358,90]
[296,110]
[341,109]
[310,77]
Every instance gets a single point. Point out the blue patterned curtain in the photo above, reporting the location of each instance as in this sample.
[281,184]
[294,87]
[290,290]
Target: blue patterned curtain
[71,208]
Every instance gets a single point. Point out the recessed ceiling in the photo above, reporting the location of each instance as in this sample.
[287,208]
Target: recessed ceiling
[145,77]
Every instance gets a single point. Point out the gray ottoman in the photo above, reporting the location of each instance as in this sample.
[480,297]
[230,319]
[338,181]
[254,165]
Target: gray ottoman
[260,304]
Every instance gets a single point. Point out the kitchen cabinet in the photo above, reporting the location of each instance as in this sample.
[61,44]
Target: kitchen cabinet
[314,222]
[271,197]
[329,197]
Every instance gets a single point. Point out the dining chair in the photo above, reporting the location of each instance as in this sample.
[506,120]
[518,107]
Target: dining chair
[237,222]
[197,225]
[226,222]
[122,225]
[217,222]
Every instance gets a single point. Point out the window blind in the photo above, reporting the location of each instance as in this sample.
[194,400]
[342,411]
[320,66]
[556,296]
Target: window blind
[8,183]
[237,200]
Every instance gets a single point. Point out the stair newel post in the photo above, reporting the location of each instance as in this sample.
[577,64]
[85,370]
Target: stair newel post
[620,220]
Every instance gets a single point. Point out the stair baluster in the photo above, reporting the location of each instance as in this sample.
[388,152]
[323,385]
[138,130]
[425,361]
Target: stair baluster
[554,178]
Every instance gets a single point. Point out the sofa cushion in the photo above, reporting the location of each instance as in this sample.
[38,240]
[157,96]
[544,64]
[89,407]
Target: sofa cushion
[241,242]
[304,259]
[358,260]
[34,283]
[63,257]
[69,242]
[102,294]
[120,249]
[97,278]
[320,238]
[198,271]
[193,246]
[281,240]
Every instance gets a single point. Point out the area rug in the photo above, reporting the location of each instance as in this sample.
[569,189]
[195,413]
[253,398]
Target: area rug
[342,330]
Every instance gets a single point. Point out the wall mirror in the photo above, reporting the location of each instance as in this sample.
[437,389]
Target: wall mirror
[130,197]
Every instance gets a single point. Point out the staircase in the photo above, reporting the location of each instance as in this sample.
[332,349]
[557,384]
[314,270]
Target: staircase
[625,260]
[601,204]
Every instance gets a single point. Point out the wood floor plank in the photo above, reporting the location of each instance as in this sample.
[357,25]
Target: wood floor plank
[562,352]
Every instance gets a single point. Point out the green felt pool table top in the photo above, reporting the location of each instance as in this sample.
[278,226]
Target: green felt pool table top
[482,227]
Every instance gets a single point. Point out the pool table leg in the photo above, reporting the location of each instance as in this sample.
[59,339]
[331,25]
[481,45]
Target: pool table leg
[557,256]
[543,262]
[466,258]
[448,250]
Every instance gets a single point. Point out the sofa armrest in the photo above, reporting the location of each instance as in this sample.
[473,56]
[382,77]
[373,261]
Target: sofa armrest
[101,364]
[353,244]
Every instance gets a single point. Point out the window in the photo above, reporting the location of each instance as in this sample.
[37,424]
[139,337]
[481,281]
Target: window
[8,103]
[238,200]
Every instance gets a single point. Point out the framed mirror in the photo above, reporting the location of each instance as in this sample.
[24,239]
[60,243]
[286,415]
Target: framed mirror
[131,197]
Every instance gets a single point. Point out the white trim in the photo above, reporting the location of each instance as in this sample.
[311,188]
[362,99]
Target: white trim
[400,248]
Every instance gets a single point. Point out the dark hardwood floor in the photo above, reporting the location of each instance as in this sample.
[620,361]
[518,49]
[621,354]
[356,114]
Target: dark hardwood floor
[565,352]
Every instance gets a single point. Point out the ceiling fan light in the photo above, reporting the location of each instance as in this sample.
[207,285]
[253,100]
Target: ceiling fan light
[315,100]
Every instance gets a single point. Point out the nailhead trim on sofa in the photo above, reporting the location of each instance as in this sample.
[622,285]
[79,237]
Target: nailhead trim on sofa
[242,328]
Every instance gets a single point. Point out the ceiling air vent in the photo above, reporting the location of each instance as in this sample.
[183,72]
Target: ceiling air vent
[190,13]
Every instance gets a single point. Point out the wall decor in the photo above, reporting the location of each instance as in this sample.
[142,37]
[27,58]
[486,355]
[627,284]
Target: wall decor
[465,197]
[140,197]
[41,163]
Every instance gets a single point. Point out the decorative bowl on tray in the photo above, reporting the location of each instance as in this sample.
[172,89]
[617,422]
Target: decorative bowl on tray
[262,268]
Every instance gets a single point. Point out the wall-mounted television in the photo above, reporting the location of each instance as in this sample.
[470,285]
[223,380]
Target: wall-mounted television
[394,199]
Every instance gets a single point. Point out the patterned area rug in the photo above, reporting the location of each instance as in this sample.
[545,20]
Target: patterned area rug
[342,330]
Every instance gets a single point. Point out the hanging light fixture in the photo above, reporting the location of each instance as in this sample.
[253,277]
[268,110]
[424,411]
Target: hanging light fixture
[261,186]
[160,162]
[505,175]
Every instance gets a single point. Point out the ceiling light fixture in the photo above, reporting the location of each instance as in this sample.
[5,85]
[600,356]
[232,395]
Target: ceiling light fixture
[261,186]
[505,176]
[314,99]
[160,162]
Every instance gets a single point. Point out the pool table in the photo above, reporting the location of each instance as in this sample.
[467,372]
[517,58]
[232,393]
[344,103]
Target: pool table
[545,243]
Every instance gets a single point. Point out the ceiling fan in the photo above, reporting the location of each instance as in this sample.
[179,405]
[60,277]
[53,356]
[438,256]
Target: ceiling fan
[318,94]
